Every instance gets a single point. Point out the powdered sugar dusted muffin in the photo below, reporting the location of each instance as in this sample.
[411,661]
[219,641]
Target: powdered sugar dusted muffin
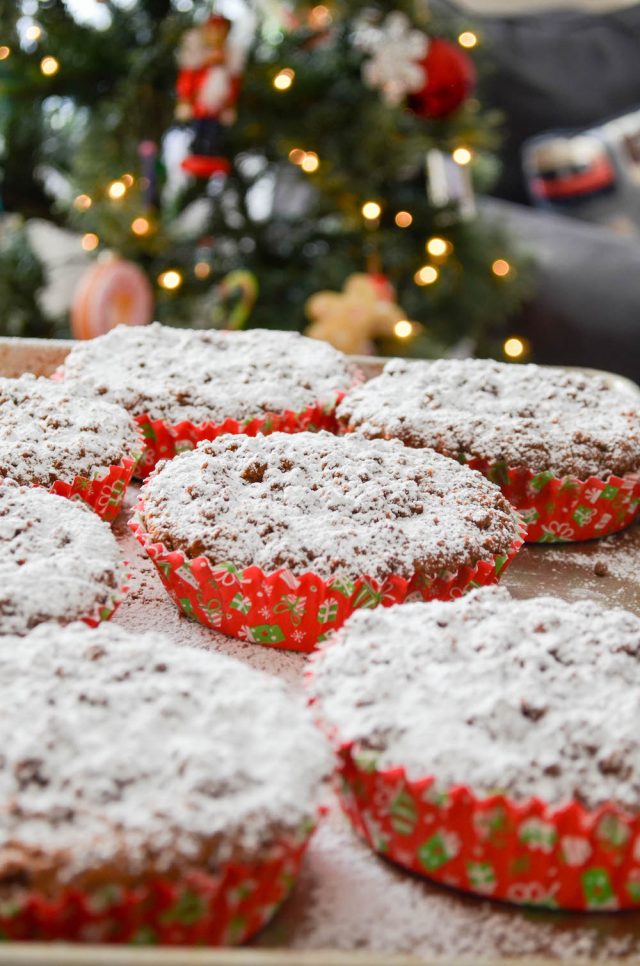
[151,791]
[58,561]
[337,508]
[48,434]
[533,701]
[521,426]
[570,423]
[204,375]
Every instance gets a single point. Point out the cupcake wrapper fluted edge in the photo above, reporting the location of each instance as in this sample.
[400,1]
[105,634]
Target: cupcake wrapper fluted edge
[527,853]
[164,440]
[293,612]
[199,908]
[559,510]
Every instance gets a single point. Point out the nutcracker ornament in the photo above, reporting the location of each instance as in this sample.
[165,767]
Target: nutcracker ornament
[207,89]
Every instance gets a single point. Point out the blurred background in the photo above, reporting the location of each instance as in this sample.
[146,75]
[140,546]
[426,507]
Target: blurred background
[404,178]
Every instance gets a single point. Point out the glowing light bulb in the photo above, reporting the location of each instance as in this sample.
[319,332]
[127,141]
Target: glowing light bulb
[438,247]
[4,52]
[202,270]
[82,202]
[403,329]
[310,162]
[319,17]
[501,267]
[34,32]
[49,66]
[297,155]
[468,39]
[462,156]
[140,226]
[170,279]
[90,241]
[514,347]
[127,180]
[371,210]
[426,275]
[404,219]
[284,79]
[117,190]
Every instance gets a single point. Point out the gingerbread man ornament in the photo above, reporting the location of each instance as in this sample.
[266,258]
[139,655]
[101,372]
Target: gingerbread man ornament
[351,319]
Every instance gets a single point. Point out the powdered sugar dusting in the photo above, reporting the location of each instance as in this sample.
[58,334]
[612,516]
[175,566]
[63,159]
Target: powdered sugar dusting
[48,434]
[333,505]
[205,375]
[487,678]
[211,752]
[570,423]
[58,560]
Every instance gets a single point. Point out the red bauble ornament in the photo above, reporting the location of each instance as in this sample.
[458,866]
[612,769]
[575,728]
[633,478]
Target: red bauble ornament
[451,77]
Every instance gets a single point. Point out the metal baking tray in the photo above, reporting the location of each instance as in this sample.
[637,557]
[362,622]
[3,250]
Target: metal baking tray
[349,906]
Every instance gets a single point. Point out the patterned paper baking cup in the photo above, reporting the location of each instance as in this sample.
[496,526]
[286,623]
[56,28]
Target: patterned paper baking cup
[558,510]
[527,853]
[201,908]
[104,494]
[163,441]
[287,611]
[106,610]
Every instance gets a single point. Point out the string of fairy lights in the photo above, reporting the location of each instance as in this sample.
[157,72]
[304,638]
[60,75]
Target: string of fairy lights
[437,248]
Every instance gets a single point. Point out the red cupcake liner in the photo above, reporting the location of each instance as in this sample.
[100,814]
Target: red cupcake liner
[104,612]
[163,440]
[293,612]
[200,908]
[559,510]
[104,494]
[527,853]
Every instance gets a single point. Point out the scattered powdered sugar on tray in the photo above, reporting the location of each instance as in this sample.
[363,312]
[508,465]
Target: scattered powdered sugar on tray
[58,560]
[616,556]
[505,689]
[333,505]
[203,375]
[48,434]
[215,760]
[570,423]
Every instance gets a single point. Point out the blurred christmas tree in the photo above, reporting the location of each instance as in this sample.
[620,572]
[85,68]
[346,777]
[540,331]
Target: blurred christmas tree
[356,145]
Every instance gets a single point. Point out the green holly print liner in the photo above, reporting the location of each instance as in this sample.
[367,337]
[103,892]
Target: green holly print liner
[563,510]
[197,908]
[287,611]
[527,853]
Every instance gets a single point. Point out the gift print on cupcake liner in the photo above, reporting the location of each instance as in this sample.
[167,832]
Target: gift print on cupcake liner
[565,510]
[530,854]
[163,441]
[221,909]
[104,494]
[287,611]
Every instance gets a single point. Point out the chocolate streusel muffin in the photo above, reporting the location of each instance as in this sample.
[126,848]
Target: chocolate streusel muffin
[514,723]
[147,792]
[337,508]
[58,561]
[523,426]
[50,437]
[171,376]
